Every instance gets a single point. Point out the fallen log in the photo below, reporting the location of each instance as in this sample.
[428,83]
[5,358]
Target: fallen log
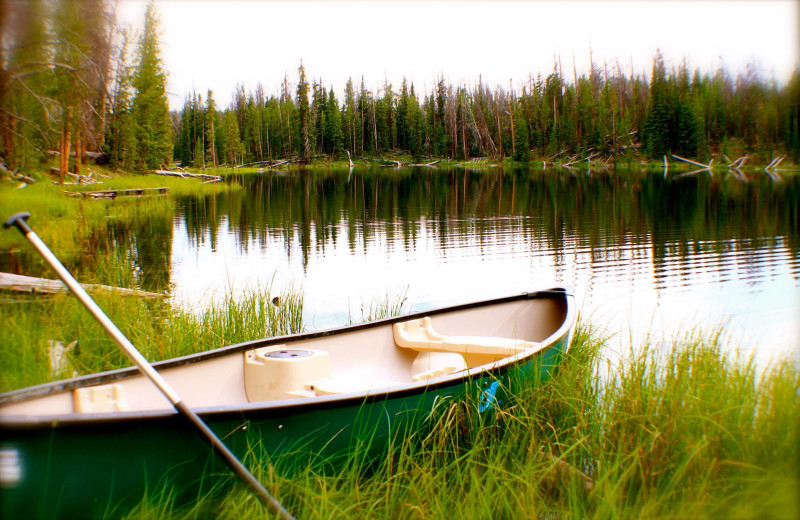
[188,175]
[257,163]
[705,166]
[738,162]
[774,165]
[30,284]
[278,163]
[773,161]
[431,164]
[21,177]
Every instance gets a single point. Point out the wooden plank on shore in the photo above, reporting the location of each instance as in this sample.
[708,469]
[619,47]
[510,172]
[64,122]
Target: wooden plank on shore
[30,284]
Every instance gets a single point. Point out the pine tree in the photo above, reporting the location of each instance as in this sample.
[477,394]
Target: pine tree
[210,126]
[333,131]
[232,147]
[350,120]
[153,125]
[304,113]
[657,126]
[521,141]
[121,138]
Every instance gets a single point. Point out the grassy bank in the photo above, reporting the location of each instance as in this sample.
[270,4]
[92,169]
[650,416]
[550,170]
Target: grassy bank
[689,432]
[31,324]
[73,226]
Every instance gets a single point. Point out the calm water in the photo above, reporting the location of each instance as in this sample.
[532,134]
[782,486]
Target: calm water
[644,254]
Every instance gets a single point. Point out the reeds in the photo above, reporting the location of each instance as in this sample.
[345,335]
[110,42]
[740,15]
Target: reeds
[682,431]
[380,307]
[31,324]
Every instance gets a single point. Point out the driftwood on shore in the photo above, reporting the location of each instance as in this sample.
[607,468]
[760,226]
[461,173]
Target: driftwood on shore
[168,173]
[30,284]
[15,175]
[79,179]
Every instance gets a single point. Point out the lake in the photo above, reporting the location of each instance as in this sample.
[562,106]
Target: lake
[646,255]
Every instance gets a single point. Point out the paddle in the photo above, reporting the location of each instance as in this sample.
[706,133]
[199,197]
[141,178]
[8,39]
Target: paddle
[19,220]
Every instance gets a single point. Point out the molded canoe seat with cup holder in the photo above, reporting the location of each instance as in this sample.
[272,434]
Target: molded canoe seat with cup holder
[275,373]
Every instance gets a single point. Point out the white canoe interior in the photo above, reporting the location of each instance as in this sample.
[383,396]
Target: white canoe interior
[372,359]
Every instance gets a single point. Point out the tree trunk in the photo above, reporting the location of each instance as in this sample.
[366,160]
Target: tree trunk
[78,152]
[65,145]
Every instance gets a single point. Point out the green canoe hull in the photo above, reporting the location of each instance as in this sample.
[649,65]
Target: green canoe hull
[90,467]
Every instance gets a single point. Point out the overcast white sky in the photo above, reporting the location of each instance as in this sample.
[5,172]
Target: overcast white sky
[215,44]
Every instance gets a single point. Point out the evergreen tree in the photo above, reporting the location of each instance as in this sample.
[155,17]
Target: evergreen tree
[403,123]
[153,125]
[211,126]
[333,126]
[319,102]
[416,121]
[441,143]
[231,147]
[684,138]
[521,142]
[657,126]
[351,122]
[304,113]
[121,138]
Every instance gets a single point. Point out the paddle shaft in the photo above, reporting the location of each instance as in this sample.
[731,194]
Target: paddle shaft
[147,370]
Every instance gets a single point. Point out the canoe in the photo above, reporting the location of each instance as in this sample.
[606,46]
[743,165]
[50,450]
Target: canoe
[94,445]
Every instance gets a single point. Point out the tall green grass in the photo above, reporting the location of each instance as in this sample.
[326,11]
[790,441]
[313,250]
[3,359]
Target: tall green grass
[683,431]
[156,328]
[380,307]
[70,226]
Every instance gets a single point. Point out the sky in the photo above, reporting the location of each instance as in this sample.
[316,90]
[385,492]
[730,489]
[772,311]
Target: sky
[215,45]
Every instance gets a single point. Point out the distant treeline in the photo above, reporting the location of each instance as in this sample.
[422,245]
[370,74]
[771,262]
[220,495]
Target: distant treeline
[605,113]
[72,82]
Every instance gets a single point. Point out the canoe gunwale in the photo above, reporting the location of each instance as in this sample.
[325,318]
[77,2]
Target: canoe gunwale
[492,369]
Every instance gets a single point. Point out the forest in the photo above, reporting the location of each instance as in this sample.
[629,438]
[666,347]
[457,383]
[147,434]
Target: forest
[74,84]
[605,113]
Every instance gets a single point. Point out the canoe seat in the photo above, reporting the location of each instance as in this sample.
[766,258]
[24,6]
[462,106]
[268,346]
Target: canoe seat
[276,373]
[420,335]
[99,399]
